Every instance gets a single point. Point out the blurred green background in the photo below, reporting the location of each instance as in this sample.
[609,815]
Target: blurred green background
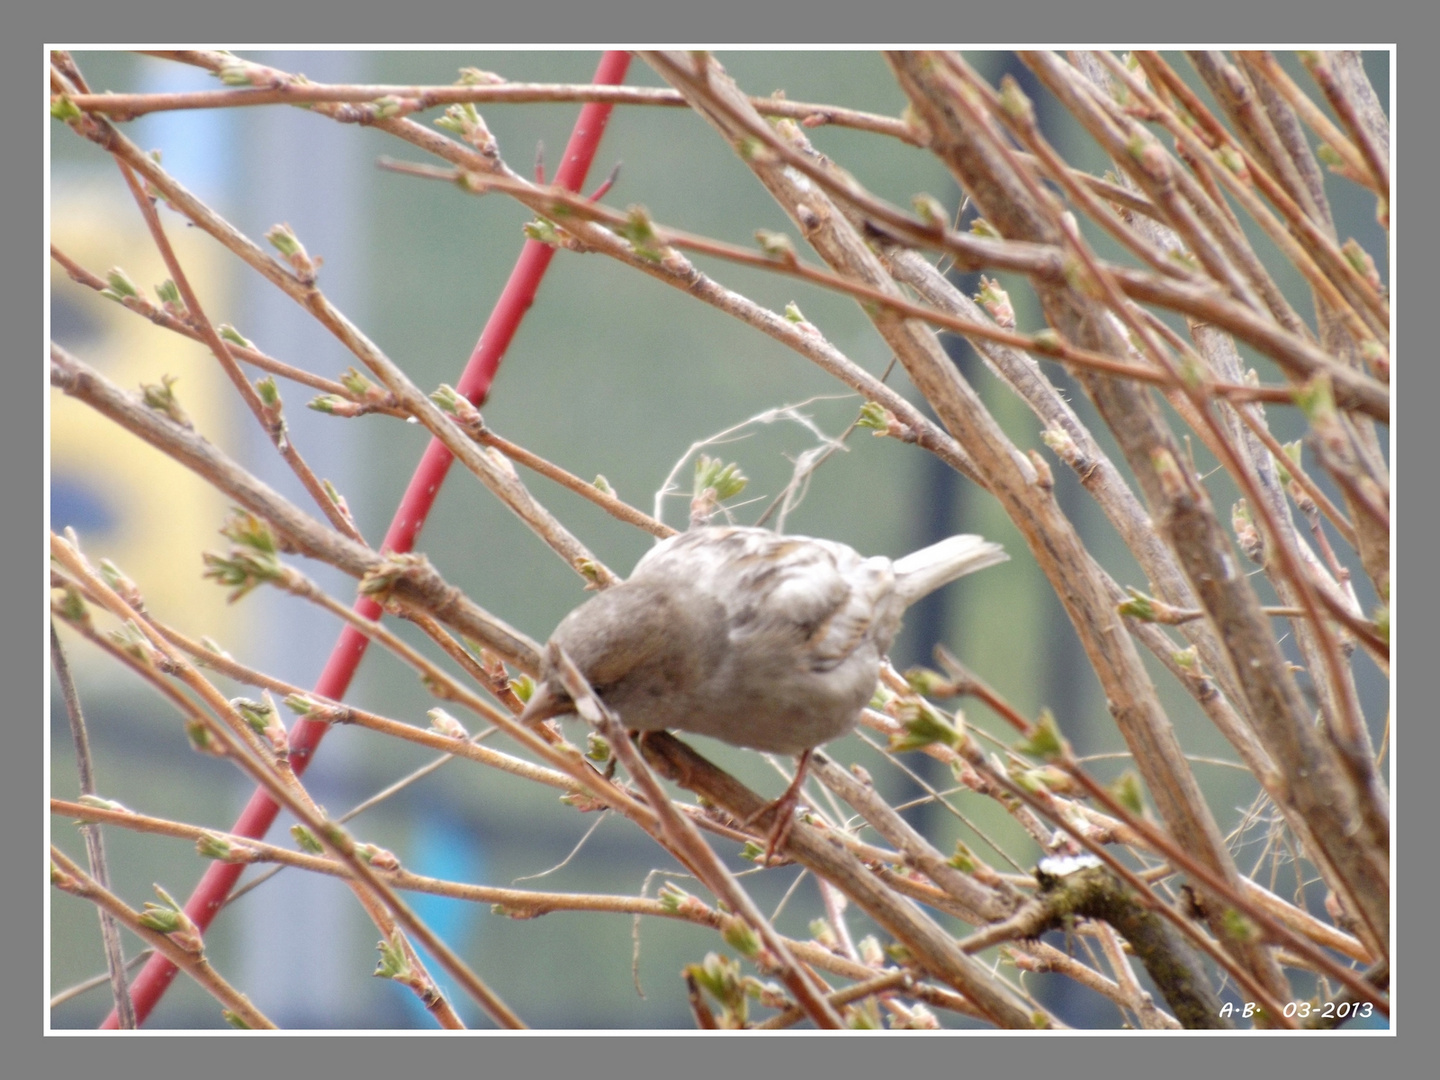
[612,373]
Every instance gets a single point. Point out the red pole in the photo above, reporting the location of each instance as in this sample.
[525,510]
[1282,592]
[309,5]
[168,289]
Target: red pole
[519,293]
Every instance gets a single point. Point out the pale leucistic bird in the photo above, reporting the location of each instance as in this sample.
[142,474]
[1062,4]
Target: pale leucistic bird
[761,640]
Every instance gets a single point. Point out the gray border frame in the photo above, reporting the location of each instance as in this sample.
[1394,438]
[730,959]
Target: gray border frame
[21,784]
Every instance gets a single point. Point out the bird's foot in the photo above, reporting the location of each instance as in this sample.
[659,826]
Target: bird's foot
[784,810]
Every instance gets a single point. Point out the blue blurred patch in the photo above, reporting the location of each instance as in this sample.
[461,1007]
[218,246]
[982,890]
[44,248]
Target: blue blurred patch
[76,504]
[448,847]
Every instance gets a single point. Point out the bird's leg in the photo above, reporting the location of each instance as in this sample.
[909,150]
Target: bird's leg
[784,808]
[610,767]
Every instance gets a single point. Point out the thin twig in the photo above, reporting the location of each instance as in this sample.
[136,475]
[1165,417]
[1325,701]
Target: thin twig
[189,957]
[143,307]
[70,993]
[686,842]
[94,842]
[240,744]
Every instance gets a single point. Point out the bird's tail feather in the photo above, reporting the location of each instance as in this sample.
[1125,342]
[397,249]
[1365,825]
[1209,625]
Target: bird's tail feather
[923,572]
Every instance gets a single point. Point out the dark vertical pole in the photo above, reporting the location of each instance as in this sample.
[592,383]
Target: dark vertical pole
[1065,680]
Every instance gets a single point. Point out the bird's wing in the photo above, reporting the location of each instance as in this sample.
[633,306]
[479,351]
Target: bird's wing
[815,594]
[865,611]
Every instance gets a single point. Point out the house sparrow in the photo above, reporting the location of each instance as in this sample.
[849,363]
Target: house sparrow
[764,641]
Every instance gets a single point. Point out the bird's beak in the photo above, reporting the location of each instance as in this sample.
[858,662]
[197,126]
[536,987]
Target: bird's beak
[544,704]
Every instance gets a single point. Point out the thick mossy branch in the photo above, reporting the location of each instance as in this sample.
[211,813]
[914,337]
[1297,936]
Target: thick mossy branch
[1095,893]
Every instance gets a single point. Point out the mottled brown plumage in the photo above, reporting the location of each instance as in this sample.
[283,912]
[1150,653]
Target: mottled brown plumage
[764,641]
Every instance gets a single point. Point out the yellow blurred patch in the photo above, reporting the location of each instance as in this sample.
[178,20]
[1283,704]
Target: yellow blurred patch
[159,515]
